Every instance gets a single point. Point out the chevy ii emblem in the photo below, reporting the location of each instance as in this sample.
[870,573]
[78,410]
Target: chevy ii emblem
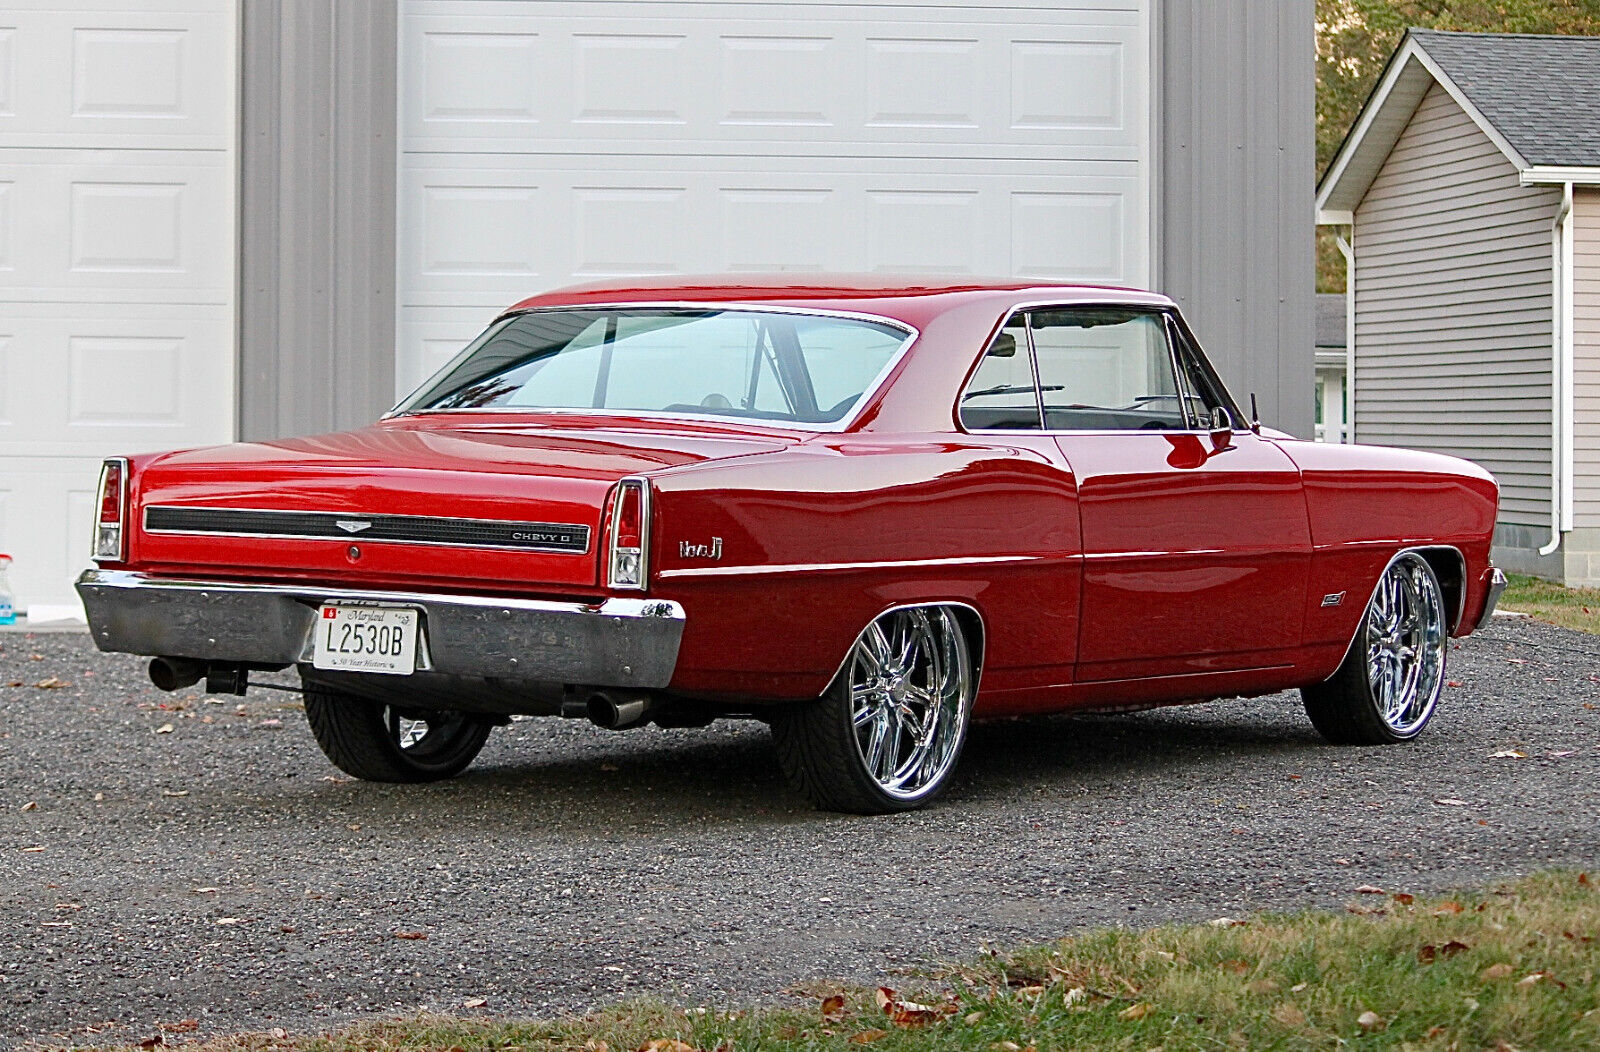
[352,525]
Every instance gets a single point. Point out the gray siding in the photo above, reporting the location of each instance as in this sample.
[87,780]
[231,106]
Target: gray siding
[1454,306]
[1586,359]
[317,205]
[1236,191]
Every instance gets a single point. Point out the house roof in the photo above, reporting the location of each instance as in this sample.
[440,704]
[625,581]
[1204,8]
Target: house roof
[1330,321]
[1536,97]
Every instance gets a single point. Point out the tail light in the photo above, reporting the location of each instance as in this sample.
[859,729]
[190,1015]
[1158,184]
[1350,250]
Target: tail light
[112,505]
[628,551]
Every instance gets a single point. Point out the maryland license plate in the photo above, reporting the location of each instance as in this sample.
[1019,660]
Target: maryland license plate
[366,639]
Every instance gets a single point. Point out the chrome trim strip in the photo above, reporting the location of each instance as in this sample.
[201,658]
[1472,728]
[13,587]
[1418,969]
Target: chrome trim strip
[363,537]
[611,642]
[894,564]
[402,408]
[1497,585]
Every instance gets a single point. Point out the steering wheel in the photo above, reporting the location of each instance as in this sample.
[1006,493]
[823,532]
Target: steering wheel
[715,401]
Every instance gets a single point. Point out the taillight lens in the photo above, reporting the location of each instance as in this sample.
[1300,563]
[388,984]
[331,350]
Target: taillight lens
[112,504]
[627,558]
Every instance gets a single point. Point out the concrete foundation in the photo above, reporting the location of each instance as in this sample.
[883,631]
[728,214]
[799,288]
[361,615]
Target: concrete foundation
[1576,562]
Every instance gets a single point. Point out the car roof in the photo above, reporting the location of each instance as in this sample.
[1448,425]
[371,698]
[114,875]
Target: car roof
[904,297]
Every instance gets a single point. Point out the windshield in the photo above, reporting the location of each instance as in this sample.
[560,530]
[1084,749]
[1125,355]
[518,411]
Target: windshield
[750,364]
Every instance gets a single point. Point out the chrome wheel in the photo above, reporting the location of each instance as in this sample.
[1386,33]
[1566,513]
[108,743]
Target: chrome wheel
[1406,639]
[910,691]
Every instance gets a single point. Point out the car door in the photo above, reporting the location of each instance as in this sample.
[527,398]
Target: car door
[1196,544]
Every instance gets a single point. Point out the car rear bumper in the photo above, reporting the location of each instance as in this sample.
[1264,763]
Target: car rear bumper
[612,643]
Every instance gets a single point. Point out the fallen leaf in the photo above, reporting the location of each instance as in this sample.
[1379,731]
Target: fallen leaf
[417,935]
[1006,1046]
[907,1014]
[205,891]
[973,1018]
[1289,1015]
[182,1026]
[1236,966]
[1227,922]
[667,1044]
[867,1037]
[1451,801]
[1446,908]
[1138,1011]
[270,723]
[1297,987]
[833,1008]
[165,728]
[1370,1021]
[1076,995]
[229,921]
[1030,991]
[1495,971]
[153,1042]
[1452,683]
[1369,889]
[31,805]
[1583,878]
[30,850]
[52,684]
[278,1032]
[474,1002]
[1508,754]
[1562,754]
[174,792]
[1404,899]
[1453,947]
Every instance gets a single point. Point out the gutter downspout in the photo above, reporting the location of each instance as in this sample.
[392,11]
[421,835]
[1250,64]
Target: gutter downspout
[1561,378]
[1347,248]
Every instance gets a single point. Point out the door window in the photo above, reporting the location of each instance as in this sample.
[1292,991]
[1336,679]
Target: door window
[1002,393]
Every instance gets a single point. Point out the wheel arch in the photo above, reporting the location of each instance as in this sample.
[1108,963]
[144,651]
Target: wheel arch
[967,616]
[1438,556]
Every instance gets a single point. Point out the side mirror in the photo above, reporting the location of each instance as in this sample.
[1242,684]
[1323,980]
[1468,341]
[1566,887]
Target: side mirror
[1221,427]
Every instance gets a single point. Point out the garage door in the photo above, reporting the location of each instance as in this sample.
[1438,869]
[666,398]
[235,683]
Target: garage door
[116,257]
[543,143]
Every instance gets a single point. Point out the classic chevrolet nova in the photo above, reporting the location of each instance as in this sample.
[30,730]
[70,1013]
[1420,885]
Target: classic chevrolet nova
[864,514]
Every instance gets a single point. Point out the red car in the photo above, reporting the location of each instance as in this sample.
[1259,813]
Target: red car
[863,514]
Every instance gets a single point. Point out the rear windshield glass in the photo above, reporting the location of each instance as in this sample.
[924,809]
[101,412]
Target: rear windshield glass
[795,368]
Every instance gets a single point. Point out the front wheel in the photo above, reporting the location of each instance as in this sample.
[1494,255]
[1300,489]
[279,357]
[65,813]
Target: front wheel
[887,734]
[382,743]
[1390,682]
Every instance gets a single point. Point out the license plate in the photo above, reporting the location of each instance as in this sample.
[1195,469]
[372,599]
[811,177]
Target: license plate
[366,639]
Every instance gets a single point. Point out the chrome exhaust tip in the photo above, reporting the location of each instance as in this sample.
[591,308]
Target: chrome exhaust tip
[619,712]
[171,674]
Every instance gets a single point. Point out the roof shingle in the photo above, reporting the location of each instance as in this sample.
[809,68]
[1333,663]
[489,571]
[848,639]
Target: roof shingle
[1541,92]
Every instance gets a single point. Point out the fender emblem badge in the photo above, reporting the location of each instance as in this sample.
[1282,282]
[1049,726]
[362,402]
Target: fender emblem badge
[1333,599]
[700,551]
[352,525]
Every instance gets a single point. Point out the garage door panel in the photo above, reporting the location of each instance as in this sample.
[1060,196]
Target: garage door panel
[791,74]
[46,507]
[103,75]
[487,233]
[97,382]
[114,225]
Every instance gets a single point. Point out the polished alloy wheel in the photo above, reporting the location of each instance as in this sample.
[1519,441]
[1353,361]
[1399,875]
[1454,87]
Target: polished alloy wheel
[910,683]
[1406,640]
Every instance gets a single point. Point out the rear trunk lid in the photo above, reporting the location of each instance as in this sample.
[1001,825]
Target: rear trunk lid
[430,502]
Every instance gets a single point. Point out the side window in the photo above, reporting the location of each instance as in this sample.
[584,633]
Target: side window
[1106,369]
[1001,394]
[1199,390]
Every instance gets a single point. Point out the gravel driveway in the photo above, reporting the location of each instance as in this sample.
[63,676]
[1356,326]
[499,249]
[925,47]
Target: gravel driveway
[165,857]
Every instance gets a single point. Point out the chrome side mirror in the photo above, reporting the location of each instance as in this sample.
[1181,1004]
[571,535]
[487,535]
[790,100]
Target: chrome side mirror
[1221,427]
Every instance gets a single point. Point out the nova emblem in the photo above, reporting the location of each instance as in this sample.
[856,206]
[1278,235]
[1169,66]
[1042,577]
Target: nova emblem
[352,525]
[1333,599]
[701,551]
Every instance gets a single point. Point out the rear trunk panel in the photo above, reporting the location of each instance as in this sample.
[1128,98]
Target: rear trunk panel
[478,505]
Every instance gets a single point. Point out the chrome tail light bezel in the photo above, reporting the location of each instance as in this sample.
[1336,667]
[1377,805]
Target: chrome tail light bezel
[628,567]
[109,544]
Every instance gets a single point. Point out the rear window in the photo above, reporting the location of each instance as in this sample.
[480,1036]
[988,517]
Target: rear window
[763,365]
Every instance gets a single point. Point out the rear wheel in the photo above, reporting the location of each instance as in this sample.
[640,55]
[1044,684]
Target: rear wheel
[887,734]
[1390,682]
[383,743]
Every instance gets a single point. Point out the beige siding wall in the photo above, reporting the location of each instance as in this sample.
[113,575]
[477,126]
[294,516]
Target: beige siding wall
[1586,358]
[1454,307]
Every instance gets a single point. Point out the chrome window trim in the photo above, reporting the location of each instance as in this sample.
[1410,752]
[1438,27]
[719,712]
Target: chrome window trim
[868,394]
[1164,307]
[359,538]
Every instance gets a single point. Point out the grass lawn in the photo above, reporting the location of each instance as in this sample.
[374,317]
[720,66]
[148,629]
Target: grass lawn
[1577,608]
[1513,967]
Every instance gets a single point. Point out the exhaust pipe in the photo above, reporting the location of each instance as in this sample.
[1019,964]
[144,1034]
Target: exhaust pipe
[619,711]
[171,674]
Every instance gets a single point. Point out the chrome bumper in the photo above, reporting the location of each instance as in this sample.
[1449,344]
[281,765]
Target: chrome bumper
[1497,585]
[614,643]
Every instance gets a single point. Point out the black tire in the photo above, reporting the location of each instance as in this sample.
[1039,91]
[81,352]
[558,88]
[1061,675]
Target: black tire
[817,741]
[1345,709]
[363,738]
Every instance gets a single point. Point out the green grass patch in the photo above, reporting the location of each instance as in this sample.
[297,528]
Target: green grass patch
[1577,608]
[1514,966]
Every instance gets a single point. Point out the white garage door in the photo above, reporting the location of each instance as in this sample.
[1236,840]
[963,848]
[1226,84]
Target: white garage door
[116,256]
[543,143]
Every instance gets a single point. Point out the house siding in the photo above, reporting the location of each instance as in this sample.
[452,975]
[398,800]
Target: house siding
[1586,358]
[1455,306]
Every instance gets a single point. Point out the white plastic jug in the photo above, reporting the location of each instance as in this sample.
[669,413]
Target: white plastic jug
[8,605]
